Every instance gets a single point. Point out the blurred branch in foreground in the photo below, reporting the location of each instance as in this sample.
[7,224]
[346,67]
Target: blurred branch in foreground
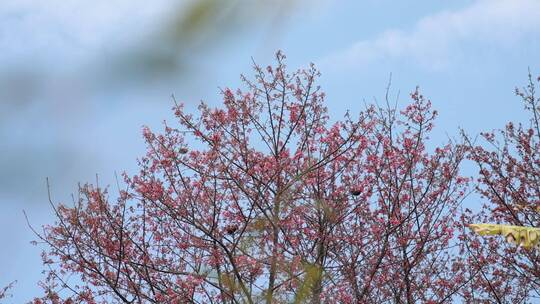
[197,27]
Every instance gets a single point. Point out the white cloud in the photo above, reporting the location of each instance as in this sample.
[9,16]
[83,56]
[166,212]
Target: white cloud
[59,32]
[435,39]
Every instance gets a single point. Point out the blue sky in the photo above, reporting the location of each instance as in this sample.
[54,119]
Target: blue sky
[76,84]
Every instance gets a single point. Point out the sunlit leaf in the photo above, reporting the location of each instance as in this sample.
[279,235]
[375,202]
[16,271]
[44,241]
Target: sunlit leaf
[526,237]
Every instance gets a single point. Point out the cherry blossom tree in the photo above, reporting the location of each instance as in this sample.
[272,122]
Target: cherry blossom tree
[400,247]
[267,200]
[509,172]
[4,291]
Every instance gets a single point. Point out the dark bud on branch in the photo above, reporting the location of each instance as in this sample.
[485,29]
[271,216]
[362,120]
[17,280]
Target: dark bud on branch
[356,192]
[231,229]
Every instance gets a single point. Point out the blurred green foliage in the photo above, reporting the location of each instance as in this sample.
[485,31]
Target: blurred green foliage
[197,27]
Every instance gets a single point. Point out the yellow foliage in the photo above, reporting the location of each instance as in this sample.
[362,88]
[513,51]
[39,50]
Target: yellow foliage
[526,237]
[229,282]
[313,274]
